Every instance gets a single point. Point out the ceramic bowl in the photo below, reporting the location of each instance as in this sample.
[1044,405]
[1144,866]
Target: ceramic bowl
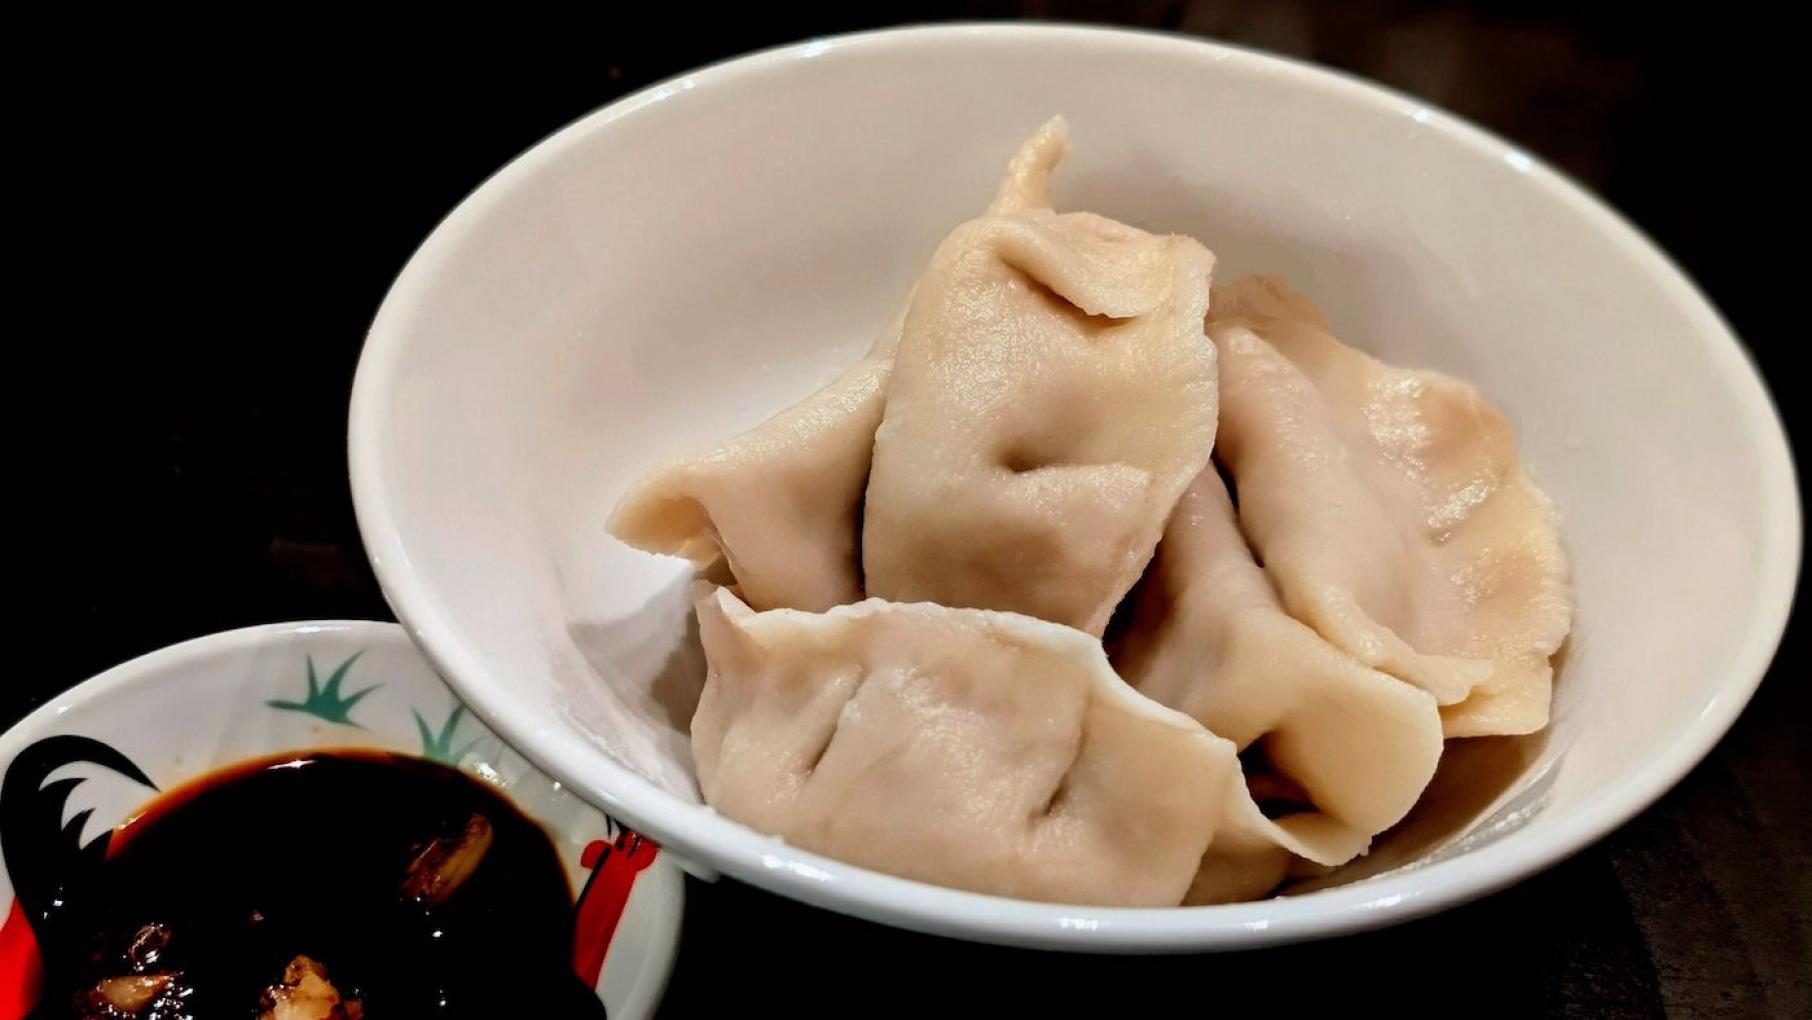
[679,265]
[193,708]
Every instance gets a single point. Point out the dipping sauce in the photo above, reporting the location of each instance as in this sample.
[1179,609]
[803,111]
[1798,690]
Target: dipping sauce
[340,885]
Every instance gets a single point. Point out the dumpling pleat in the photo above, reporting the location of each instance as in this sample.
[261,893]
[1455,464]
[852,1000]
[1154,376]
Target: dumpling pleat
[975,749]
[1389,508]
[1207,636]
[1052,396]
[781,503]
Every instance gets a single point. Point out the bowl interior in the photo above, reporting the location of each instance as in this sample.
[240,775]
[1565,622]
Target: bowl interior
[680,265]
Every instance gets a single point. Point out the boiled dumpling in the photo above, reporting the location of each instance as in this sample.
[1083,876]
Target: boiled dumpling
[1207,636]
[905,670]
[780,503]
[1052,396]
[1390,510]
[980,750]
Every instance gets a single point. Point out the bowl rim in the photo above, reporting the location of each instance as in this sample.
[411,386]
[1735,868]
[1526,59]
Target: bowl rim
[716,842]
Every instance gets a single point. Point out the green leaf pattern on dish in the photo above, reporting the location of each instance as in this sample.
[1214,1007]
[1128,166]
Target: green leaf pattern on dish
[323,700]
[439,746]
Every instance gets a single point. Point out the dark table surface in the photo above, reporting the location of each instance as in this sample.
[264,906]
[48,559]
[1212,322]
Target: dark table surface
[213,211]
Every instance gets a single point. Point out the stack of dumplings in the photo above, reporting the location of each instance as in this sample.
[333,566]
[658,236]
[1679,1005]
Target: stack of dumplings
[1318,567]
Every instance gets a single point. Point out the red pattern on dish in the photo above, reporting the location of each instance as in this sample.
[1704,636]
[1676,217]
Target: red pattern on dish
[614,866]
[21,970]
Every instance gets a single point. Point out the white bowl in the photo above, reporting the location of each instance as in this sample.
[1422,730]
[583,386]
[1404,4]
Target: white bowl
[185,711]
[680,264]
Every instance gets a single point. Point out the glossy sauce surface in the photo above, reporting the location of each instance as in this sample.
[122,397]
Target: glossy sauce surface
[364,863]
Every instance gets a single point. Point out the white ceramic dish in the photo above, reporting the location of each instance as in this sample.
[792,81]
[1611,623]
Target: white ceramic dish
[680,264]
[190,709]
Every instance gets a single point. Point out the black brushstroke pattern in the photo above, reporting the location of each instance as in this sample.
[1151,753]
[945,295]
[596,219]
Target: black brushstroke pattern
[48,863]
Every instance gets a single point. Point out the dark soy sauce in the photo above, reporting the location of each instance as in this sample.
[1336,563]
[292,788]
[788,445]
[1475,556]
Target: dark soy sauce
[241,872]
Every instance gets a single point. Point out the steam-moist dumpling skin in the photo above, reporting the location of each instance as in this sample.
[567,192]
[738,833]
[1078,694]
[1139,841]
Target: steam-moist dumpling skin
[1052,396]
[1390,509]
[781,503]
[1207,636]
[979,750]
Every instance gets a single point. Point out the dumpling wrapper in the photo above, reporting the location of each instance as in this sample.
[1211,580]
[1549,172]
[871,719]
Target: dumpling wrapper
[1052,396]
[781,503]
[1208,637]
[1390,509]
[979,750]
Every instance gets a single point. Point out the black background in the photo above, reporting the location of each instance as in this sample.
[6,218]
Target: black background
[211,212]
